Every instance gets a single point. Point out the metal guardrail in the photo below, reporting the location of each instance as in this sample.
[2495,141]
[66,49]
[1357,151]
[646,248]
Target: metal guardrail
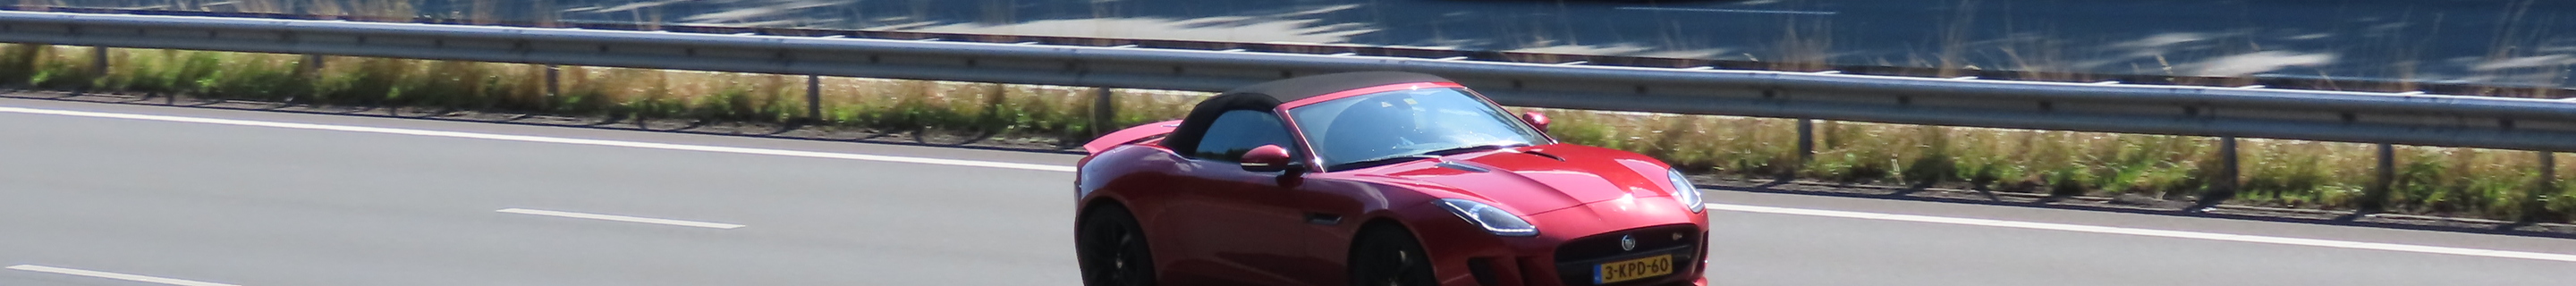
[2411,119]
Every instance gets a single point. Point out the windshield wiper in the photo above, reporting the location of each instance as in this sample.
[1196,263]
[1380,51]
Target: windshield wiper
[1472,148]
[1380,161]
[1423,155]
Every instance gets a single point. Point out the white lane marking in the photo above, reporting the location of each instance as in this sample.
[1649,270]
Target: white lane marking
[622,218]
[2155,233]
[118,276]
[1731,10]
[524,138]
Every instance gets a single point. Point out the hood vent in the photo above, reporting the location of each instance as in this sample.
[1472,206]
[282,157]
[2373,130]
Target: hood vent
[1535,152]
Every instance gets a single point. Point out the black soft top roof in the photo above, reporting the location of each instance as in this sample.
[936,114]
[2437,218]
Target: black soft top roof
[1268,95]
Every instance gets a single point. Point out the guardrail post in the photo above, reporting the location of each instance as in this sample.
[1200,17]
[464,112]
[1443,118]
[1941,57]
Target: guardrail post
[2375,199]
[312,63]
[2222,185]
[97,69]
[308,69]
[1806,140]
[814,98]
[98,61]
[1104,112]
[1806,150]
[554,81]
[2531,201]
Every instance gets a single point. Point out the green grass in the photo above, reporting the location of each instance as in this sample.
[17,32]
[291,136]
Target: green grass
[2301,174]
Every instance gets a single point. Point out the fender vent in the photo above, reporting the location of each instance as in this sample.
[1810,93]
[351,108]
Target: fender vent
[1483,269]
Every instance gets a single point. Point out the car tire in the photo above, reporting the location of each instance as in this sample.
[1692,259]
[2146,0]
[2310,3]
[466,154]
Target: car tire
[1389,256]
[1112,250]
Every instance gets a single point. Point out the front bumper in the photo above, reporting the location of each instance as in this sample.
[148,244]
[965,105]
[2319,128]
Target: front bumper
[1571,243]
[1576,260]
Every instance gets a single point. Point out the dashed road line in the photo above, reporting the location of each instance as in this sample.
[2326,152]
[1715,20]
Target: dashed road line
[117,276]
[622,218]
[525,138]
[2155,233]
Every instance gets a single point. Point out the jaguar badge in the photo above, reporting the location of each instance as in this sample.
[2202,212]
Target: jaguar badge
[1627,242]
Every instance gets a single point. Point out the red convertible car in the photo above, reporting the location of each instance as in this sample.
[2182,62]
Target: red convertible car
[1377,178]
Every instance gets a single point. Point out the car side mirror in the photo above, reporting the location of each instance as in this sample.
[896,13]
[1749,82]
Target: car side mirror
[1266,158]
[1535,120]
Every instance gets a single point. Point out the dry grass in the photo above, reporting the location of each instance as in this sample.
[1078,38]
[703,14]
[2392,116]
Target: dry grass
[977,108]
[2282,173]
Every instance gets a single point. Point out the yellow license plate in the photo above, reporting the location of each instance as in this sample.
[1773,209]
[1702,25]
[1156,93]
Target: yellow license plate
[1633,269]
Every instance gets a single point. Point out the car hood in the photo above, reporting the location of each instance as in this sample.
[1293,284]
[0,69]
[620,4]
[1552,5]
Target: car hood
[1537,179]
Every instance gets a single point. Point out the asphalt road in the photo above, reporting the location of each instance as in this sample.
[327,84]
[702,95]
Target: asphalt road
[228,203]
[2483,41]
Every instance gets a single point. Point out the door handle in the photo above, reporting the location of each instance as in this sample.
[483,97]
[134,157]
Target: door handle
[1323,218]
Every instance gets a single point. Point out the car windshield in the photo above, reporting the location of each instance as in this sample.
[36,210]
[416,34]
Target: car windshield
[1374,128]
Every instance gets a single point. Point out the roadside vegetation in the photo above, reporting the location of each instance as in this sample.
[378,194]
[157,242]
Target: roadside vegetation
[2298,174]
[2458,182]
[620,93]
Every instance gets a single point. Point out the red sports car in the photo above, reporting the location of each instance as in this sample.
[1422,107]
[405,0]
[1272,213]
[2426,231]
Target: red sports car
[1376,178]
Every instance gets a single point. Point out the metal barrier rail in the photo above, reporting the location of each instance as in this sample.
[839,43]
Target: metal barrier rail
[2411,119]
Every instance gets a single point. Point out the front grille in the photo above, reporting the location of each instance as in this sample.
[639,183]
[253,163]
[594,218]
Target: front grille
[1607,245]
[1576,258]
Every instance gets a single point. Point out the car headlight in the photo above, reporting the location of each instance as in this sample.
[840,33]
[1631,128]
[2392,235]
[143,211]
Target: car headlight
[1493,219]
[1685,193]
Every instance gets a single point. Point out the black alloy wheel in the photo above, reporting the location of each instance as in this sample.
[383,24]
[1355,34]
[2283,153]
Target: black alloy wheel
[1111,247]
[1389,256]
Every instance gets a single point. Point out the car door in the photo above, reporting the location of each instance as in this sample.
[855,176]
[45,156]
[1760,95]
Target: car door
[1327,205]
[1230,223]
